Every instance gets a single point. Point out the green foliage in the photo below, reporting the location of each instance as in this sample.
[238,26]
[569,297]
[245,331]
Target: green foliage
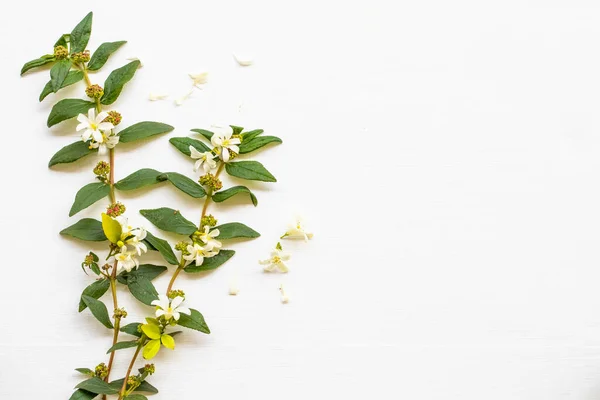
[123,345]
[211,263]
[72,78]
[132,329]
[163,247]
[99,311]
[95,290]
[228,193]
[112,228]
[183,145]
[251,170]
[116,80]
[169,220]
[144,386]
[38,62]
[67,109]
[207,134]
[193,321]
[143,130]
[59,73]
[135,397]
[247,136]
[80,35]
[142,288]
[234,230]
[71,153]
[88,195]
[102,54]
[81,394]
[148,271]
[185,184]
[251,145]
[139,179]
[86,229]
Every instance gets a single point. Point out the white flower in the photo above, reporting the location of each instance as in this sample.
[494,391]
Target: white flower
[223,142]
[276,262]
[92,125]
[284,297]
[170,308]
[204,160]
[126,260]
[297,231]
[157,96]
[107,142]
[198,254]
[199,79]
[208,237]
[132,237]
[243,59]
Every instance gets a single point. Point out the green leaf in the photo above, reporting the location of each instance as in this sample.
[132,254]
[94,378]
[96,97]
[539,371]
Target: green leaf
[97,385]
[132,329]
[38,62]
[148,271]
[71,153]
[226,194]
[99,311]
[236,129]
[234,230]
[163,247]
[169,220]
[211,263]
[193,321]
[72,77]
[144,386]
[63,40]
[88,195]
[85,371]
[152,331]
[67,109]
[142,289]
[112,228]
[251,170]
[116,80]
[102,53]
[183,145]
[139,179]
[135,397]
[168,342]
[95,290]
[86,229]
[81,394]
[59,73]
[248,146]
[123,345]
[185,184]
[246,136]
[151,349]
[204,132]
[143,130]
[80,35]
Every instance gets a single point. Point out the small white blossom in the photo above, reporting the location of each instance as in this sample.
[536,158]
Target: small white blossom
[132,237]
[93,126]
[276,262]
[243,59]
[204,160]
[199,79]
[170,308]
[157,96]
[223,141]
[198,253]
[107,142]
[126,260]
[297,231]
[208,237]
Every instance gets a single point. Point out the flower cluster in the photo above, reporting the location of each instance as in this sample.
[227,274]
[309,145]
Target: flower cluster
[204,245]
[97,131]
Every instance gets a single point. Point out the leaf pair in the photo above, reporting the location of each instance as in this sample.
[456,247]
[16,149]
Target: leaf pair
[148,177]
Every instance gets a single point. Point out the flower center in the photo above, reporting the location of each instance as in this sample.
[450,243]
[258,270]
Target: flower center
[94,126]
[276,260]
[225,142]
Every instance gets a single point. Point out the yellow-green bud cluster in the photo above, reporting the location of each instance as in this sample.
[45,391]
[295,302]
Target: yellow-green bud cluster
[115,209]
[89,260]
[211,181]
[175,293]
[149,369]
[101,371]
[238,137]
[102,169]
[81,57]
[106,267]
[208,220]
[120,313]
[182,247]
[94,91]
[61,52]
[114,118]
[197,237]
[133,382]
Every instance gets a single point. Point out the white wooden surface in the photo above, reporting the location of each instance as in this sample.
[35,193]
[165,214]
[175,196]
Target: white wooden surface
[444,153]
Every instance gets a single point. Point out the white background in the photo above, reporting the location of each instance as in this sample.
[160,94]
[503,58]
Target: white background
[444,153]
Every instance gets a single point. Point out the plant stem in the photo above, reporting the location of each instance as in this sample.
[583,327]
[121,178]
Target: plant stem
[209,195]
[117,324]
[111,154]
[131,364]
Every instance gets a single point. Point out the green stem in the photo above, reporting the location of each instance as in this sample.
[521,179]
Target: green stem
[123,391]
